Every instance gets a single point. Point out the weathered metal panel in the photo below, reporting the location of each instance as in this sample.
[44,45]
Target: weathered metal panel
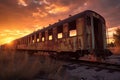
[92,30]
[104,36]
[40,37]
[31,40]
[88,36]
[65,30]
[55,34]
[80,25]
[35,39]
[80,44]
[70,44]
[50,45]
[46,35]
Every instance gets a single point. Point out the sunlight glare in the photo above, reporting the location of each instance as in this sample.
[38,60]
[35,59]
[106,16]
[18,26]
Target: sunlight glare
[9,40]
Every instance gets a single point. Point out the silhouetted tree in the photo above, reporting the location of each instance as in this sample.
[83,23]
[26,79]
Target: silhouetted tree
[111,44]
[116,36]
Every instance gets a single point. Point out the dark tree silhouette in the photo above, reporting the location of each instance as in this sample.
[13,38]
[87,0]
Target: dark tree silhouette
[116,36]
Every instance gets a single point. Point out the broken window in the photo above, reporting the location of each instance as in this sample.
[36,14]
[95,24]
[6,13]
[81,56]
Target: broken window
[37,37]
[43,36]
[72,29]
[72,33]
[60,32]
[50,34]
[33,39]
[88,20]
[43,39]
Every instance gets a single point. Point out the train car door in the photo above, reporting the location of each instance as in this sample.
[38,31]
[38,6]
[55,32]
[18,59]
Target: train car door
[80,27]
[98,33]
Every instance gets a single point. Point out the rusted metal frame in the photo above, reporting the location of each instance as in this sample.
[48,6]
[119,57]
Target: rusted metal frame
[104,35]
[92,26]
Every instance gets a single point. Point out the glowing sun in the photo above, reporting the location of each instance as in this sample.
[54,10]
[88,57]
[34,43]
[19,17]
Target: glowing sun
[9,40]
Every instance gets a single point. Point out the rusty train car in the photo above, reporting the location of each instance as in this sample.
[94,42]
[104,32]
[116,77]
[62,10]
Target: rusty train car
[77,35]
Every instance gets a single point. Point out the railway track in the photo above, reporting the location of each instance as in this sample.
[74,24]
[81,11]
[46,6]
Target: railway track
[99,65]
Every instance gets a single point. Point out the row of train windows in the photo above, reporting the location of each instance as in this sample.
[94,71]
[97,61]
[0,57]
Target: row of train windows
[69,30]
[71,33]
[50,37]
[59,36]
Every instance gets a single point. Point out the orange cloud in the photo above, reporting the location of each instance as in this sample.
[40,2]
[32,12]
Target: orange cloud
[22,2]
[54,9]
[40,13]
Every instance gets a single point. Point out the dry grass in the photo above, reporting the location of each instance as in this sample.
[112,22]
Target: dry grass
[16,66]
[19,66]
[49,67]
[115,50]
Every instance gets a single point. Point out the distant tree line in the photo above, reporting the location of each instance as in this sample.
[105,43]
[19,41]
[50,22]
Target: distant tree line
[116,37]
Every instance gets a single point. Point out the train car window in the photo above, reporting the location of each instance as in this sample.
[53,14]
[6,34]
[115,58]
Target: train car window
[72,33]
[72,29]
[50,34]
[88,20]
[38,39]
[37,36]
[60,35]
[33,39]
[43,36]
[50,37]
[60,32]
[43,39]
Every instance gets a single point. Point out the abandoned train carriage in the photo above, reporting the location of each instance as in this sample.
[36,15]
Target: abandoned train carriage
[81,33]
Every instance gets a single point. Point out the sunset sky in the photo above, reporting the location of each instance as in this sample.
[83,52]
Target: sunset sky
[21,17]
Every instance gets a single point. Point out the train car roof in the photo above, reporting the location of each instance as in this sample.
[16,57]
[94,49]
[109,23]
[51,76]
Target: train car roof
[69,19]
